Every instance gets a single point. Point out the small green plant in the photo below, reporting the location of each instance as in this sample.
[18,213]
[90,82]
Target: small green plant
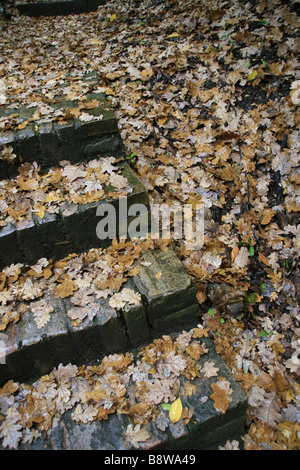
[251,298]
[262,286]
[264,333]
[131,157]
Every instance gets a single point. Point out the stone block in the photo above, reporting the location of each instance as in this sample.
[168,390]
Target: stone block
[106,145]
[67,143]
[30,241]
[48,146]
[44,348]
[135,319]
[26,144]
[52,235]
[173,322]
[10,251]
[164,284]
[112,332]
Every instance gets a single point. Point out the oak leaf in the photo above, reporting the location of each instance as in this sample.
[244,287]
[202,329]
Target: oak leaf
[221,395]
[135,434]
[173,364]
[66,288]
[209,369]
[84,413]
[10,429]
[242,258]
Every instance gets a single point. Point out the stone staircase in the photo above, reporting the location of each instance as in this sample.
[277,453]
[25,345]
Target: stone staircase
[165,297]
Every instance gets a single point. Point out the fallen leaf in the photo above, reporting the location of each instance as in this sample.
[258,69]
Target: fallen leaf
[234,253]
[263,258]
[66,288]
[242,258]
[221,395]
[135,434]
[175,410]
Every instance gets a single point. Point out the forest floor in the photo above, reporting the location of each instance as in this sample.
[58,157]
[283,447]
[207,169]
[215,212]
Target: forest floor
[207,98]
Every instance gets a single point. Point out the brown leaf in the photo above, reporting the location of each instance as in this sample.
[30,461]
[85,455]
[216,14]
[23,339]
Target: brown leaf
[66,288]
[263,259]
[234,253]
[221,395]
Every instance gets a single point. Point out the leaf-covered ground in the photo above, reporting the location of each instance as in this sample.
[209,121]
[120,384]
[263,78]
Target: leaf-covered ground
[207,98]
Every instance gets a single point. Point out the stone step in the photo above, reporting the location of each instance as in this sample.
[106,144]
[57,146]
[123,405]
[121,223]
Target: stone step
[72,227]
[205,424]
[78,334]
[59,7]
[73,130]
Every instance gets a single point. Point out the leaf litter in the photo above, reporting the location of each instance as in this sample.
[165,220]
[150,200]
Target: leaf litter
[206,95]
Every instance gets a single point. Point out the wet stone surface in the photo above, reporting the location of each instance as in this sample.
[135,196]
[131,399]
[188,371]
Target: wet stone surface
[72,230]
[207,428]
[106,330]
[73,139]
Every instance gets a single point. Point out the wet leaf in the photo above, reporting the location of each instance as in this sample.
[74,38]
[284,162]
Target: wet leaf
[175,411]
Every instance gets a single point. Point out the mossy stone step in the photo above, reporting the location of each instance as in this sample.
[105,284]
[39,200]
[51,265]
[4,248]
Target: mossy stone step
[72,230]
[58,7]
[207,429]
[31,351]
[88,129]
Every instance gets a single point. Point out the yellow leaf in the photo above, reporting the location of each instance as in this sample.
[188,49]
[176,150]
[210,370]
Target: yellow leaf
[39,210]
[113,18]
[173,35]
[252,75]
[175,411]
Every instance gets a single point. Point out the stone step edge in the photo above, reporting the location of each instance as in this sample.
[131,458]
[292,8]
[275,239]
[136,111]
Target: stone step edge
[58,235]
[207,429]
[31,352]
[48,141]
[56,8]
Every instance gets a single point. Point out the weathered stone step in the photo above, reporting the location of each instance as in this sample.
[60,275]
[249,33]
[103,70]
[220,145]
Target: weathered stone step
[73,130]
[72,228]
[59,7]
[80,333]
[203,426]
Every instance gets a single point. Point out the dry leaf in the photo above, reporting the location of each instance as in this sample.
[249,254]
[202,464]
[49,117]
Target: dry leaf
[135,434]
[234,253]
[209,369]
[72,172]
[242,258]
[189,389]
[41,312]
[84,413]
[66,288]
[221,395]
[119,300]
[263,258]
[10,429]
